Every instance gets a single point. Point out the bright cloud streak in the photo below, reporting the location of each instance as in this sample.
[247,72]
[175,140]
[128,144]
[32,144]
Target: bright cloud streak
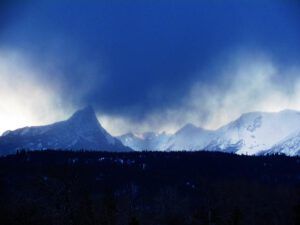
[251,84]
[25,99]
[247,83]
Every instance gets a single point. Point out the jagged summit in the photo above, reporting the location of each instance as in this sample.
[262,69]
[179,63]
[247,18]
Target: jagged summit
[84,119]
[81,131]
[87,112]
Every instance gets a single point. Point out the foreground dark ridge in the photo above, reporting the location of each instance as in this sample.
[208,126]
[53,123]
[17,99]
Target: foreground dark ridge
[186,188]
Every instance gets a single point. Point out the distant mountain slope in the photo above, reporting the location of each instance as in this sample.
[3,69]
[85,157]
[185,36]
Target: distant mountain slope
[145,141]
[81,131]
[252,133]
[189,138]
[290,145]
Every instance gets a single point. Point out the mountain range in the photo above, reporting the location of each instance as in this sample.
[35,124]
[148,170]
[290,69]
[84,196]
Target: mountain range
[253,133]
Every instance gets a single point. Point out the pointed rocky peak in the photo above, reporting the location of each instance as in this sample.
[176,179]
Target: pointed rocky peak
[86,113]
[85,117]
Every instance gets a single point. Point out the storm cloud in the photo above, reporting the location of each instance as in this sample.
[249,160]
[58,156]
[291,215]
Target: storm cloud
[152,65]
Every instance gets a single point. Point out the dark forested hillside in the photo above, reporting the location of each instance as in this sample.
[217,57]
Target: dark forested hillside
[148,188]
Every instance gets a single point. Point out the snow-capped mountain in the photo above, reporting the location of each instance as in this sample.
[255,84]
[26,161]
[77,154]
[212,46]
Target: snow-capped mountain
[290,145]
[145,141]
[81,131]
[252,133]
[189,138]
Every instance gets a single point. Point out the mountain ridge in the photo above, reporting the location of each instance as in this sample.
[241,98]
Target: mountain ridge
[80,131]
[251,133]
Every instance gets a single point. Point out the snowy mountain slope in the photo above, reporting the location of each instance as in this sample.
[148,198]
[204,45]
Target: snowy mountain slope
[145,141]
[290,145]
[81,131]
[189,138]
[254,132]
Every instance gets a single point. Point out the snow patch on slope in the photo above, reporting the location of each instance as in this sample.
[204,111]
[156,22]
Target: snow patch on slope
[252,133]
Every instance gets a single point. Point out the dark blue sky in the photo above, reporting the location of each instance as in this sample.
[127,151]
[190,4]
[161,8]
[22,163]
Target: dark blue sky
[139,57]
